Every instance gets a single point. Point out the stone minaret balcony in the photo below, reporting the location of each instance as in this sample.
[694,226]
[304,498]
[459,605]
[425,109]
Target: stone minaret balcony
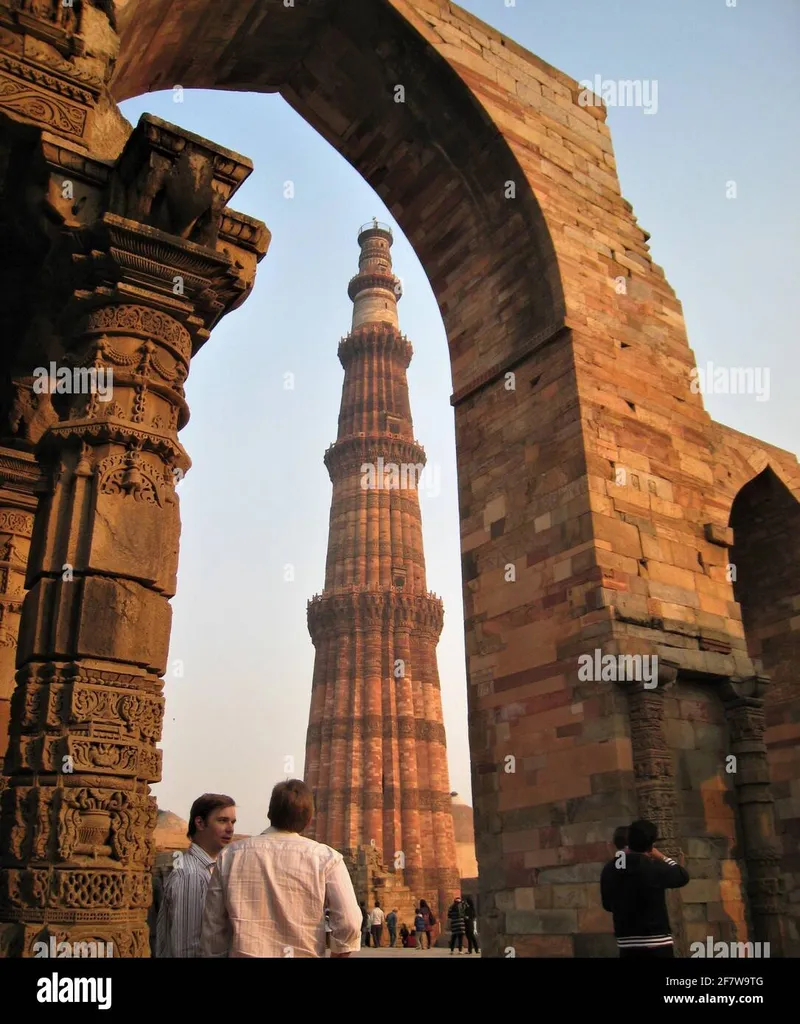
[376,753]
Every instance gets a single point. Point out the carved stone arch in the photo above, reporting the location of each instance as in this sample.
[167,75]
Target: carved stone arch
[337,65]
[765,524]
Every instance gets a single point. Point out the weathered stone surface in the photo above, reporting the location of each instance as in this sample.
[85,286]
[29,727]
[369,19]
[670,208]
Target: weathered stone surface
[77,818]
[585,456]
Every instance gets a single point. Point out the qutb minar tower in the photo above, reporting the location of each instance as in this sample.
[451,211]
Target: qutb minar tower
[376,754]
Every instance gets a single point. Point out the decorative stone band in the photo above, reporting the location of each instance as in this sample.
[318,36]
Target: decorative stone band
[362,609]
[142,322]
[50,100]
[247,232]
[90,816]
[137,716]
[372,800]
[12,521]
[375,727]
[353,452]
[64,893]
[97,756]
[17,467]
[375,338]
[372,279]
[124,248]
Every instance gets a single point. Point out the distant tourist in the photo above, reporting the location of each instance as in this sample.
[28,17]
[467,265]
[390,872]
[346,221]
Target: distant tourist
[430,920]
[455,918]
[419,927]
[391,924]
[633,887]
[268,894]
[364,924]
[469,924]
[328,928]
[180,916]
[376,919]
[405,935]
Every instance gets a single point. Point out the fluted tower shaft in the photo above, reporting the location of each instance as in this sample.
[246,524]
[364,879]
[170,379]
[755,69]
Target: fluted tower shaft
[376,753]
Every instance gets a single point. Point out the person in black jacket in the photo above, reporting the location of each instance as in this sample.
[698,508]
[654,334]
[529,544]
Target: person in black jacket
[633,886]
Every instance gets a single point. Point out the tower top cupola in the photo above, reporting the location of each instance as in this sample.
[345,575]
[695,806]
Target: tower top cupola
[374,290]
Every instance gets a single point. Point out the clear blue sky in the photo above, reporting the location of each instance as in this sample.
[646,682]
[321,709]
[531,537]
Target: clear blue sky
[258,496]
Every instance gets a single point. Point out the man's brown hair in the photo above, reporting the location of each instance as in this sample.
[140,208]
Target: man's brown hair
[291,806]
[204,805]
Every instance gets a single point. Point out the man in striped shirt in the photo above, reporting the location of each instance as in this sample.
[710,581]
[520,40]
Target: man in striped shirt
[211,823]
[633,888]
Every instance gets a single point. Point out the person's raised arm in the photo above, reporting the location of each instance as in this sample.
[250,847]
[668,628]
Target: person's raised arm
[669,873]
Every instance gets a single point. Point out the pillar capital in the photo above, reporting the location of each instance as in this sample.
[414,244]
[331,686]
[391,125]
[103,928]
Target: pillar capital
[126,267]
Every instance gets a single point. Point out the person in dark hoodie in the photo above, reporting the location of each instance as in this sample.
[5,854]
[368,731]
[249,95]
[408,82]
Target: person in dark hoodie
[633,887]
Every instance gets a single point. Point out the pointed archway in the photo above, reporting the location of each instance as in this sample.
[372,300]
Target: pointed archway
[765,570]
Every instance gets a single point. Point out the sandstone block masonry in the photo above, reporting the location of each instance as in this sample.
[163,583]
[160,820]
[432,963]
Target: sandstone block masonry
[600,505]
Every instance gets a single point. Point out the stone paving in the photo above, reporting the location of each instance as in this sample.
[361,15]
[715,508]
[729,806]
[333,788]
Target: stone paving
[418,954]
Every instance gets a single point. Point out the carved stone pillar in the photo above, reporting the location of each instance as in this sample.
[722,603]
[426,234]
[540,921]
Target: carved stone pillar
[655,780]
[18,476]
[744,709]
[135,292]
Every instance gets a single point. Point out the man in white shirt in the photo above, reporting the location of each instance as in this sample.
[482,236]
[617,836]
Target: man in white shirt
[268,894]
[211,822]
[376,919]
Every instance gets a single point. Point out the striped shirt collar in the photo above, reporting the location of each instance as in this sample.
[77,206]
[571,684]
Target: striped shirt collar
[198,852]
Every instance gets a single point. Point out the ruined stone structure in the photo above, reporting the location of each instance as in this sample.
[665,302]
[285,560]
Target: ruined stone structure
[376,754]
[601,508]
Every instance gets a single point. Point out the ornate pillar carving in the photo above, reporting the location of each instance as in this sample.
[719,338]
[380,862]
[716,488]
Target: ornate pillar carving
[18,476]
[655,780]
[744,710]
[135,292]
[55,58]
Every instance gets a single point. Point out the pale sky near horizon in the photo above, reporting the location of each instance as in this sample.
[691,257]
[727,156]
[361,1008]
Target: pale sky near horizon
[258,496]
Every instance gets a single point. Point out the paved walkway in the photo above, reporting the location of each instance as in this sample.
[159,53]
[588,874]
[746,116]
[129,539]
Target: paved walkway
[412,954]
